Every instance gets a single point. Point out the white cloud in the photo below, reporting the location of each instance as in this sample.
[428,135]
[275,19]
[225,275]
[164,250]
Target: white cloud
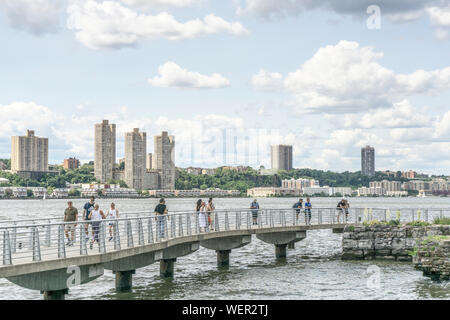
[34,16]
[264,80]
[401,115]
[440,18]
[172,75]
[111,25]
[347,78]
[151,4]
[269,9]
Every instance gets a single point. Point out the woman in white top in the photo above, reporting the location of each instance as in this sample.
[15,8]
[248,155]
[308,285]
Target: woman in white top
[113,213]
[96,217]
[202,217]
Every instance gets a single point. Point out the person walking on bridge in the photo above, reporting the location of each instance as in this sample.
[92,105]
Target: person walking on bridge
[298,207]
[254,206]
[340,208]
[70,215]
[96,217]
[160,212]
[308,207]
[113,213]
[88,207]
[202,215]
[210,211]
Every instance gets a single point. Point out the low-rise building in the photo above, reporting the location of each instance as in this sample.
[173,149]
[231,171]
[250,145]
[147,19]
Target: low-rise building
[38,192]
[371,191]
[19,192]
[2,192]
[60,193]
[318,190]
[272,191]
[343,191]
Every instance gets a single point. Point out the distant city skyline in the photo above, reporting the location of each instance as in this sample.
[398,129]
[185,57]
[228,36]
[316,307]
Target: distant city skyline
[260,73]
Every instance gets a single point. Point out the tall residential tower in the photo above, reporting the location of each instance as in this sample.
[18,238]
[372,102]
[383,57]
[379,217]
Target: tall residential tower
[164,160]
[105,151]
[281,157]
[29,153]
[135,158]
[368,161]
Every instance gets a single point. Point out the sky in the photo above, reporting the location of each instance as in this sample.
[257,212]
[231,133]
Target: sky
[230,78]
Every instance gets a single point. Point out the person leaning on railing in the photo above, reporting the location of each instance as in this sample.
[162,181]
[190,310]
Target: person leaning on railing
[70,215]
[160,211]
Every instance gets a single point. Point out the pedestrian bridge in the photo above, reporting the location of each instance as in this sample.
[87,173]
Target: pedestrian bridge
[36,255]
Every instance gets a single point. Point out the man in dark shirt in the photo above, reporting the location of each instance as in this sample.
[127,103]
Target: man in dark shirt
[88,207]
[298,206]
[160,211]
[340,208]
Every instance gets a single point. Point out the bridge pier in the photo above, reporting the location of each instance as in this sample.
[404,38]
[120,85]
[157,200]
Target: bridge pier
[280,251]
[166,267]
[124,280]
[223,258]
[55,294]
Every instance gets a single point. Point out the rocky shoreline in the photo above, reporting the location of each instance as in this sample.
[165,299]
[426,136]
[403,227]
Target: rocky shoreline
[432,257]
[386,242]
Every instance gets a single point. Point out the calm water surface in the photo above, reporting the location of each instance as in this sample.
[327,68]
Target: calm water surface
[312,270]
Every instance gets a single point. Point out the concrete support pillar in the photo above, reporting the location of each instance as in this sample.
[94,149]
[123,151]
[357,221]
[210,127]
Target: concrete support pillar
[223,258]
[280,251]
[166,268]
[55,295]
[291,245]
[124,280]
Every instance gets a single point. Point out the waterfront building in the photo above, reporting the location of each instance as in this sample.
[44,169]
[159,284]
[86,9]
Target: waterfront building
[105,151]
[60,193]
[71,164]
[281,157]
[371,191]
[38,192]
[343,191]
[299,183]
[135,158]
[387,185]
[318,190]
[409,174]
[29,153]
[19,192]
[368,161]
[272,191]
[164,160]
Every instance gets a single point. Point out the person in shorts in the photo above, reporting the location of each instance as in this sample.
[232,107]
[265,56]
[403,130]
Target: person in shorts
[112,213]
[254,206]
[70,215]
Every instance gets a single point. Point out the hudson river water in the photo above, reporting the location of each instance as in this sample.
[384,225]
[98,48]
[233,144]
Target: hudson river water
[312,270]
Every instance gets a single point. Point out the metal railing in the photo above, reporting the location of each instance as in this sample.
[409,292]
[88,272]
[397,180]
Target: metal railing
[25,241]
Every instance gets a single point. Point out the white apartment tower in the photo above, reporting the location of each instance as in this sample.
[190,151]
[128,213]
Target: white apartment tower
[135,158]
[105,151]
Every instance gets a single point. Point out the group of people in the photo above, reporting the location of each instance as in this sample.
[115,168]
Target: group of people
[92,213]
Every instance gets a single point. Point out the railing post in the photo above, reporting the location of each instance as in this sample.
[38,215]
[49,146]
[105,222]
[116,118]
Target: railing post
[140,233]
[237,220]
[180,226]
[116,235]
[13,238]
[150,230]
[129,234]
[293,217]
[83,247]
[227,222]
[197,223]
[173,227]
[7,257]
[48,234]
[216,222]
[61,244]
[36,245]
[102,236]
[248,220]
[30,238]
[284,218]
[158,229]
[188,224]
[272,222]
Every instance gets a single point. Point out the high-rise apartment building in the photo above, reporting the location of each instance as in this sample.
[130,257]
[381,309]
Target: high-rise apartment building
[281,156]
[135,158]
[105,151]
[164,160]
[29,153]
[368,161]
